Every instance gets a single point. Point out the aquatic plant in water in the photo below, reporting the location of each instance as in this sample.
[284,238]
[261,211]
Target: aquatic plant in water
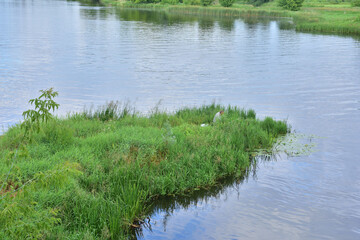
[295,144]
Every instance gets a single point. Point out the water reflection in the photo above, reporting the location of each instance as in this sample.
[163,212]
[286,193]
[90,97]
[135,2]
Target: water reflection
[227,24]
[150,16]
[87,2]
[205,22]
[163,208]
[164,18]
[166,206]
[94,13]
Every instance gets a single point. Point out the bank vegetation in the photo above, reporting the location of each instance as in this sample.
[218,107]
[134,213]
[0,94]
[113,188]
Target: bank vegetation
[93,175]
[320,16]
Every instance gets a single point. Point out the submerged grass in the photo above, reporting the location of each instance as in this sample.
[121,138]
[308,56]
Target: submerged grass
[93,174]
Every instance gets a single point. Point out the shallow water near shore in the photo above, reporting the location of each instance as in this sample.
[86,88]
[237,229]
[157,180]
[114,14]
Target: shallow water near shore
[94,54]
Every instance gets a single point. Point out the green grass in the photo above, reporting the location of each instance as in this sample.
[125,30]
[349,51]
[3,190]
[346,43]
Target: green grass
[92,174]
[314,16]
[332,18]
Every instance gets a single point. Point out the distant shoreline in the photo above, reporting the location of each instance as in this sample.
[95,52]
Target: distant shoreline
[313,17]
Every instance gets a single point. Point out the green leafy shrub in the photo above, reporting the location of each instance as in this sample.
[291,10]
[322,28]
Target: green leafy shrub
[257,3]
[172,2]
[43,105]
[355,3]
[192,2]
[145,1]
[206,2]
[292,5]
[227,3]
[139,1]
[335,1]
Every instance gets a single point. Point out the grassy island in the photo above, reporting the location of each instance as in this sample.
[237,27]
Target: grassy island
[319,16]
[92,175]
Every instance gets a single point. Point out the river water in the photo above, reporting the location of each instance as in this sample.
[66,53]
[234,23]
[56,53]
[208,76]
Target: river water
[93,54]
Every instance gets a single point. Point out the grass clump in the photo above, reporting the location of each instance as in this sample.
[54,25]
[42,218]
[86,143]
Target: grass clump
[94,174]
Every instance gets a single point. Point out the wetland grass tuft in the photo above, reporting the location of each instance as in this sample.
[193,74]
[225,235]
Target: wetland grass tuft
[94,173]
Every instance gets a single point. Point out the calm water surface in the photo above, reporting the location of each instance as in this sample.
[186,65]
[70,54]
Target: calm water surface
[92,55]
